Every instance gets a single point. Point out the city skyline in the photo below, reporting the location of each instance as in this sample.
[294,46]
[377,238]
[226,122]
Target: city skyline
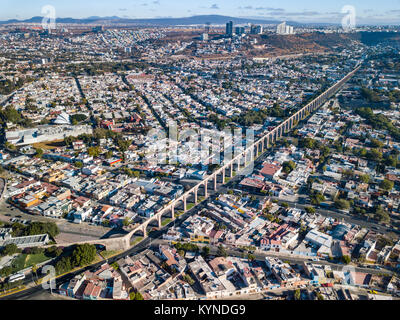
[367,12]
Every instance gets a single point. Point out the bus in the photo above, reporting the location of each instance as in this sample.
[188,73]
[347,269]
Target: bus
[16,277]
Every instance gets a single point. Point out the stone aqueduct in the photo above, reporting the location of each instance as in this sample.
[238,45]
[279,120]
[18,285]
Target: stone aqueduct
[227,170]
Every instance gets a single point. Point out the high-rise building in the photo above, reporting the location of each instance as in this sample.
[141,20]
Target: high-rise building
[204,37]
[284,29]
[256,29]
[98,29]
[281,28]
[239,31]
[229,28]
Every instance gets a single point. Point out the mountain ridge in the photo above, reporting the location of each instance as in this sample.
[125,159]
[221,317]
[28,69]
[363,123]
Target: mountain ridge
[167,21]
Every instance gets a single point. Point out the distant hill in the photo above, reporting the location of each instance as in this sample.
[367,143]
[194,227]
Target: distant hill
[194,20]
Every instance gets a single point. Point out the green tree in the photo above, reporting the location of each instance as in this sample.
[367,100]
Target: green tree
[109,154]
[206,251]
[310,210]
[63,265]
[188,279]
[83,254]
[346,259]
[222,252]
[289,166]
[93,151]
[365,178]
[10,249]
[251,257]
[386,185]
[78,164]
[342,204]
[284,205]
[39,153]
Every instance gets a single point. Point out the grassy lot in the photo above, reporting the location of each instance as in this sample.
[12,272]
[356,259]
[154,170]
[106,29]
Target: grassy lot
[166,221]
[178,213]
[190,206]
[107,254]
[35,259]
[24,261]
[18,263]
[136,241]
[49,145]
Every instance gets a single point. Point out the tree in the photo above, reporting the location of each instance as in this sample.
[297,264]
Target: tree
[34,270]
[391,161]
[297,294]
[365,178]
[289,166]
[63,265]
[93,151]
[109,154]
[206,251]
[310,210]
[6,271]
[136,174]
[39,153]
[346,259]
[376,143]
[387,185]
[342,204]
[36,228]
[136,296]
[188,279]
[222,252]
[76,118]
[251,257]
[374,155]
[382,215]
[53,252]
[10,249]
[317,198]
[115,266]
[78,164]
[83,254]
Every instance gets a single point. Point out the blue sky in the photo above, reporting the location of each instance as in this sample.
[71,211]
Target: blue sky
[368,11]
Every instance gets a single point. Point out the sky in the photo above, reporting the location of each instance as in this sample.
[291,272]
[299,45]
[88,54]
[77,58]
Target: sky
[328,11]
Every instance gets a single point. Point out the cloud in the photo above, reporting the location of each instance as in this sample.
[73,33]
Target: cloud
[214,6]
